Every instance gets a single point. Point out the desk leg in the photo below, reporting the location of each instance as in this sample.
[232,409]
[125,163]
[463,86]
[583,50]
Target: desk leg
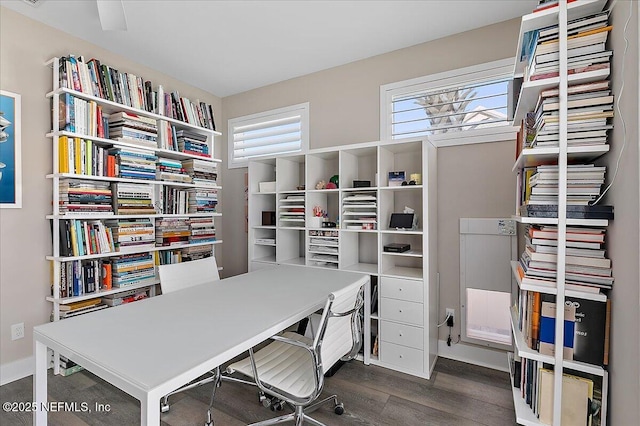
[150,411]
[40,383]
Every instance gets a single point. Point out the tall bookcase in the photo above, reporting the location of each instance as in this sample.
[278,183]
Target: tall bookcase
[101,242]
[284,198]
[564,154]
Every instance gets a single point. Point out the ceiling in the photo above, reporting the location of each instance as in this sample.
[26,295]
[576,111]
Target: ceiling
[228,47]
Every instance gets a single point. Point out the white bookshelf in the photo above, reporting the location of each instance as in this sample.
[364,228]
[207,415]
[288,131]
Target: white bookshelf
[56,95]
[362,207]
[562,155]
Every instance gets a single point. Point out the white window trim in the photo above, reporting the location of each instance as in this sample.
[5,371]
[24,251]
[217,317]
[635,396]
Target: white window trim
[302,109]
[502,68]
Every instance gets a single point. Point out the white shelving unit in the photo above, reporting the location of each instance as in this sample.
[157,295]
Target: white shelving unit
[108,107]
[362,207]
[561,155]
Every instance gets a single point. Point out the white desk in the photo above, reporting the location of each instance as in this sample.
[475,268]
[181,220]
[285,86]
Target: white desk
[153,346]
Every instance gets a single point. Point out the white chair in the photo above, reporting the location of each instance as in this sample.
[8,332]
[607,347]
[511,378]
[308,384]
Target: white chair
[292,367]
[179,276]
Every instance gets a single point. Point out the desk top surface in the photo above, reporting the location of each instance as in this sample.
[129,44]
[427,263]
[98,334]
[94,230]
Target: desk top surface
[153,341]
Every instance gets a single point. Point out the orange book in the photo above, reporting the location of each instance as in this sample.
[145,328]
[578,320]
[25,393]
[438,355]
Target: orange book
[535,320]
[106,276]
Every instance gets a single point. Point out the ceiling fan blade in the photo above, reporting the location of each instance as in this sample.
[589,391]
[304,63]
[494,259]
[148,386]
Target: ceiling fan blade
[112,16]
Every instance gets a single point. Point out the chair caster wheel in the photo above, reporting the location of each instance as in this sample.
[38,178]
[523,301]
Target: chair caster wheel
[339,409]
[164,408]
[208,423]
[277,405]
[266,402]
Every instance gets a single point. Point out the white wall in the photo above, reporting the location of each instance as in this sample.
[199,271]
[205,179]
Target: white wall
[25,236]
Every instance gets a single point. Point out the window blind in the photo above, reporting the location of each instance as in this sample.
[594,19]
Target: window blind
[268,134]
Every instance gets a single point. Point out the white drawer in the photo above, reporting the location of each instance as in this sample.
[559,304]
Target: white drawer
[397,288]
[402,356]
[402,311]
[401,334]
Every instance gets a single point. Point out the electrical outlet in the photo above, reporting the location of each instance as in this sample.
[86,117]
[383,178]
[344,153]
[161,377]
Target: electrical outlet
[451,314]
[17,331]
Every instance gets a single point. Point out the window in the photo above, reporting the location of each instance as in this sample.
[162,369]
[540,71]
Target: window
[269,133]
[465,99]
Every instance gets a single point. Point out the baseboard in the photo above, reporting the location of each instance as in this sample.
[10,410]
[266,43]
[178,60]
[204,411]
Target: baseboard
[16,370]
[477,355]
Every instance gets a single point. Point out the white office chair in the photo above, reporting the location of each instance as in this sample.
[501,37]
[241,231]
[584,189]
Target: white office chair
[179,276]
[292,367]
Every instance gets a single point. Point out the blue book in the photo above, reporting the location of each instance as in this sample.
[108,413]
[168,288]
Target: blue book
[548,327]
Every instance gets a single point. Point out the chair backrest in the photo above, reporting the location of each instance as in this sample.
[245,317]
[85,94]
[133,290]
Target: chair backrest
[339,335]
[178,276]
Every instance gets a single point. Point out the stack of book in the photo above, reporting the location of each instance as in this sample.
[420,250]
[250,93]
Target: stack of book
[203,173]
[172,232]
[586,266]
[171,170]
[68,367]
[203,200]
[586,38]
[589,106]
[134,163]
[133,269]
[203,230]
[82,307]
[193,143]
[133,198]
[132,234]
[197,252]
[583,184]
[125,297]
[131,128]
[85,197]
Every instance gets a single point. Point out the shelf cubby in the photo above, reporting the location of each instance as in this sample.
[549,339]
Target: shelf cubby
[358,164]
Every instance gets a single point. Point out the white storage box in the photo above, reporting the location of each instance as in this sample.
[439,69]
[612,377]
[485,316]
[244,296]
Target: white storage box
[267,186]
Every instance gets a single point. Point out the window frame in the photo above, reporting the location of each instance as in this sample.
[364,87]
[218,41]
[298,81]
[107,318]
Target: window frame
[474,74]
[301,109]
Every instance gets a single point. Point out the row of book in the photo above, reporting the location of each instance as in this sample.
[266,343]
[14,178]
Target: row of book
[85,237]
[586,38]
[85,157]
[582,394]
[85,277]
[103,81]
[83,117]
[587,268]
[586,326]
[90,237]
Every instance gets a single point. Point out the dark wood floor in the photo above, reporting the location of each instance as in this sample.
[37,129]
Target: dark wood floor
[457,394]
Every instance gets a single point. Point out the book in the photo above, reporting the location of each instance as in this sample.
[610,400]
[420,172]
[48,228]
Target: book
[548,327]
[591,328]
[577,393]
[573,211]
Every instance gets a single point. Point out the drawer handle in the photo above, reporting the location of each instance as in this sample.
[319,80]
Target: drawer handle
[400,310]
[400,334]
[400,289]
[400,356]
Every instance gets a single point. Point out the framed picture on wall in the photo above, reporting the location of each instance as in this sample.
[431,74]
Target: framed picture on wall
[10,156]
